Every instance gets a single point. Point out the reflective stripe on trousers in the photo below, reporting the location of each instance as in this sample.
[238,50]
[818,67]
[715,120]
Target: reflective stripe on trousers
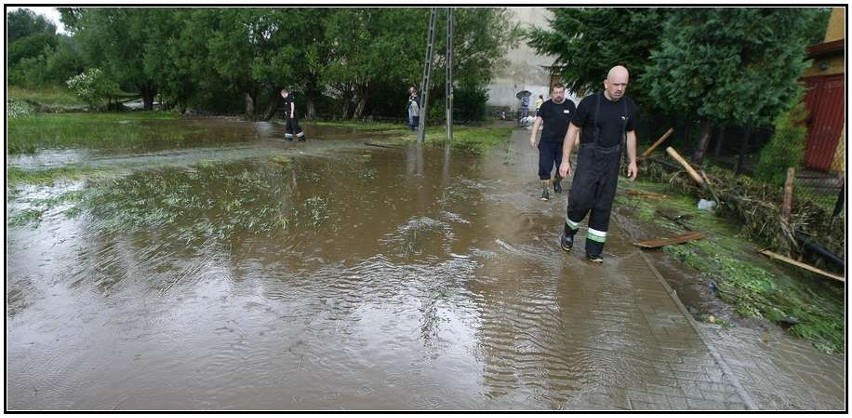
[593,189]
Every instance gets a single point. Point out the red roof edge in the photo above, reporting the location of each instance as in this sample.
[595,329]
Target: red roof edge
[826,49]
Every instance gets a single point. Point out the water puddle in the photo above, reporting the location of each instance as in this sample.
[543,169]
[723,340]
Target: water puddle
[320,275]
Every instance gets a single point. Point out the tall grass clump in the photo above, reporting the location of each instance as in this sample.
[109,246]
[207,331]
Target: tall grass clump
[31,132]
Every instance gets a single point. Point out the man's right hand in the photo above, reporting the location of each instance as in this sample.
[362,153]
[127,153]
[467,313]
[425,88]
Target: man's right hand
[565,168]
[533,142]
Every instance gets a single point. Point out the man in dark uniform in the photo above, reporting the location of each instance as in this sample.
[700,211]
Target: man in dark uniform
[555,115]
[606,119]
[289,106]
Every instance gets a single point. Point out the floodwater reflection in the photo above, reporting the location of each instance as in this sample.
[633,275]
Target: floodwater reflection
[319,275]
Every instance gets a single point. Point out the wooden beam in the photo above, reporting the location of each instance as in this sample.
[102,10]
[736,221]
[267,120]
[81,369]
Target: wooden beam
[691,171]
[656,144]
[770,254]
[678,239]
[643,193]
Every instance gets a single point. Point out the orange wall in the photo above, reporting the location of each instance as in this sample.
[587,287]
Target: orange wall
[835,31]
[836,25]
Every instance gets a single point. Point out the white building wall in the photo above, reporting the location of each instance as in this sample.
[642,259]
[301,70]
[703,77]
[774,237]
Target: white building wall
[525,69]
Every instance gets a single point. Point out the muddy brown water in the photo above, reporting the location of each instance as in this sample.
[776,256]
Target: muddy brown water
[260,274]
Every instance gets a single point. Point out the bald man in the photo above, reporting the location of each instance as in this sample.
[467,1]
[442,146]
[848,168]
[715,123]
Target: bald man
[605,122]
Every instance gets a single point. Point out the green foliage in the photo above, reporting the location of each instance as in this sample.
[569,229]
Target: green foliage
[49,96]
[753,284]
[786,148]
[469,103]
[736,66]
[94,88]
[24,22]
[37,55]
[815,31]
[587,42]
[221,59]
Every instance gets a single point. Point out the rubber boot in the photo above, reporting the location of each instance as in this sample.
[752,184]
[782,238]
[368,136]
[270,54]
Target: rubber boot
[566,240]
[594,251]
[545,192]
[557,183]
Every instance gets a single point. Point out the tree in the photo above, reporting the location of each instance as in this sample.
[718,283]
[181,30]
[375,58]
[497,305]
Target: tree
[293,55]
[360,42]
[117,40]
[729,65]
[22,23]
[31,40]
[95,88]
[227,59]
[786,148]
[587,42]
[482,36]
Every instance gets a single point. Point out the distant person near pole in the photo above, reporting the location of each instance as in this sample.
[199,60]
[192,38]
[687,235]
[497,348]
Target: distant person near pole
[413,109]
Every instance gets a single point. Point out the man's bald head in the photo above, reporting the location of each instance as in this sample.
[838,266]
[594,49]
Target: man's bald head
[616,82]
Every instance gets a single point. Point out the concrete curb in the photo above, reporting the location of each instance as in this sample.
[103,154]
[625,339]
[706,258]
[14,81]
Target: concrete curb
[726,370]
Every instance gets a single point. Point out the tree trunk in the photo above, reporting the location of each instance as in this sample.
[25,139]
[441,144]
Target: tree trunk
[743,149]
[359,108]
[345,109]
[719,140]
[273,105]
[703,140]
[148,94]
[249,104]
[310,109]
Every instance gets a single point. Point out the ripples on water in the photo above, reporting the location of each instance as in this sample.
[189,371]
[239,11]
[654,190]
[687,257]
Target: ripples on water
[377,282]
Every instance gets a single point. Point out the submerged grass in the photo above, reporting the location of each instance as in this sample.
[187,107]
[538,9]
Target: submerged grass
[29,134]
[809,306]
[469,138]
[180,200]
[16,176]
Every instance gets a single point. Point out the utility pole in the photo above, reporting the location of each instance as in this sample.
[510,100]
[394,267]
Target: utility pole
[427,74]
[449,83]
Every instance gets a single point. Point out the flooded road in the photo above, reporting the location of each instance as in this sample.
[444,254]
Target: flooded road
[325,275]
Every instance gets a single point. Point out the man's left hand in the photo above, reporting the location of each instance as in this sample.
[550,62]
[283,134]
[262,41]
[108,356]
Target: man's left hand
[632,171]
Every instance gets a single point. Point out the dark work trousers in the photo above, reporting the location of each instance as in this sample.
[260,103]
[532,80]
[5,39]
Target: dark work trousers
[549,153]
[293,128]
[593,189]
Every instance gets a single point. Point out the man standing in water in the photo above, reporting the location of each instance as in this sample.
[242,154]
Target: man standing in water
[555,114]
[413,108]
[606,119]
[289,105]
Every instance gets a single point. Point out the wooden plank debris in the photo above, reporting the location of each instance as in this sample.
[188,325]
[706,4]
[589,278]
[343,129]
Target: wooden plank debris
[788,260]
[656,144]
[689,170]
[646,194]
[677,239]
